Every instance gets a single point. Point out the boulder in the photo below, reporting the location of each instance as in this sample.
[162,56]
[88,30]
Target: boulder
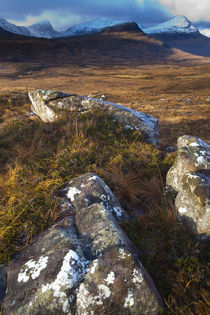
[192,203]
[189,177]
[3,282]
[84,264]
[192,156]
[50,105]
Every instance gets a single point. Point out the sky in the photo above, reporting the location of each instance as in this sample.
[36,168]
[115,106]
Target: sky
[65,13]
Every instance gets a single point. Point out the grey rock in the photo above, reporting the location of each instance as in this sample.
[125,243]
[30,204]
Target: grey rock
[189,177]
[193,204]
[84,264]
[50,105]
[192,155]
[3,282]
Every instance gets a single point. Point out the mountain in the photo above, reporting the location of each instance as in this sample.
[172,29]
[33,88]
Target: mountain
[12,28]
[180,33]
[123,44]
[91,27]
[43,29]
[177,25]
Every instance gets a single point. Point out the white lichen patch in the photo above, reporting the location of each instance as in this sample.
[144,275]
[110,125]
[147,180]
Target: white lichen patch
[110,278]
[194,144]
[129,300]
[92,178]
[104,291]
[200,160]
[191,175]
[72,271]
[137,276]
[182,210]
[117,211]
[32,269]
[103,197]
[103,209]
[72,192]
[85,299]
[93,266]
[123,254]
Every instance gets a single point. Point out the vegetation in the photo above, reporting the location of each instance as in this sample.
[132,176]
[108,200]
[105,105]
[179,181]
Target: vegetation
[37,159]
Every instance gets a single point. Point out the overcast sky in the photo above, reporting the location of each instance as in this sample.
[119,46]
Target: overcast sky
[64,13]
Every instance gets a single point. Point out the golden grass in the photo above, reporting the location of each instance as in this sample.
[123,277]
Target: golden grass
[159,90]
[37,159]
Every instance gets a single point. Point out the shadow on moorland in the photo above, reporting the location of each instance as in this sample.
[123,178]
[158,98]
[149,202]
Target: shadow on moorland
[106,48]
[195,44]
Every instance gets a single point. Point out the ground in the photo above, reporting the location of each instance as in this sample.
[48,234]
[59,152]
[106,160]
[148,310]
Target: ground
[178,95]
[174,89]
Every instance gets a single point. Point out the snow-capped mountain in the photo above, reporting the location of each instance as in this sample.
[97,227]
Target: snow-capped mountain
[177,25]
[12,28]
[94,26]
[43,29]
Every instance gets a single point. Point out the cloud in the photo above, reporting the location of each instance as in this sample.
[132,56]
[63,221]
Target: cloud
[194,10]
[205,31]
[69,12]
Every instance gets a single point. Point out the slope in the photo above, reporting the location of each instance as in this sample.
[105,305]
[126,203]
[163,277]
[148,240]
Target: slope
[180,33]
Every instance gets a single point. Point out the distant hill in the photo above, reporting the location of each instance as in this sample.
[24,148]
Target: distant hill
[180,33]
[124,43]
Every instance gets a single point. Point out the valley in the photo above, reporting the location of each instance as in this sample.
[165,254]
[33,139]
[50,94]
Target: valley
[45,166]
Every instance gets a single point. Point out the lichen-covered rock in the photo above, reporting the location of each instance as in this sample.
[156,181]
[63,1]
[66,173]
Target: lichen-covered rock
[115,284]
[189,178]
[192,202]
[89,189]
[40,100]
[50,104]
[3,282]
[192,155]
[84,264]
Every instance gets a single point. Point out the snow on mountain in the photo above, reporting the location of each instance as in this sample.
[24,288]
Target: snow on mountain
[205,32]
[12,28]
[179,24]
[94,26]
[43,29]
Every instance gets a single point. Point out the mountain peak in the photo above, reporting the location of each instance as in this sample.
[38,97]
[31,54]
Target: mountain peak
[94,26]
[43,22]
[178,24]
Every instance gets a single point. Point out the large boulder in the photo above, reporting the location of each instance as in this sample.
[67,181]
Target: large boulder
[189,177]
[50,105]
[192,156]
[192,202]
[84,264]
[3,282]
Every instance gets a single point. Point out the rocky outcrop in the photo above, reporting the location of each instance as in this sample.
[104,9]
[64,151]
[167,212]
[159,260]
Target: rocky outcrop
[50,105]
[189,177]
[84,264]
[3,282]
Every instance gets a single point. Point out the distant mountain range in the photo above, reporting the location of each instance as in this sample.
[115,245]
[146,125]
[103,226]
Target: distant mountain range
[177,25]
[178,32]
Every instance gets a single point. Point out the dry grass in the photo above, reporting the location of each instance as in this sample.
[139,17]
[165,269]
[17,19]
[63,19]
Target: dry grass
[159,90]
[37,159]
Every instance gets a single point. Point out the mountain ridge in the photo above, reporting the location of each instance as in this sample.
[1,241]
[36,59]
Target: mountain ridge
[44,29]
[179,24]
